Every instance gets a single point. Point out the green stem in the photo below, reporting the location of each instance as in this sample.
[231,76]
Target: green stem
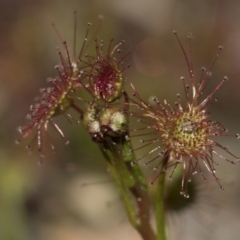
[142,200]
[123,190]
[160,215]
[140,193]
[131,184]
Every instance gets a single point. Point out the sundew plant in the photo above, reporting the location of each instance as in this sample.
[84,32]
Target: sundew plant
[178,136]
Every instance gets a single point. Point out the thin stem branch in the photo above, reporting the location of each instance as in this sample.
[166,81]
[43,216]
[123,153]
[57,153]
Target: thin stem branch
[160,213]
[141,197]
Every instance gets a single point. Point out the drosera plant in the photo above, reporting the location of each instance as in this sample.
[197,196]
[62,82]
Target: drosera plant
[56,99]
[104,117]
[184,131]
[105,72]
[179,135]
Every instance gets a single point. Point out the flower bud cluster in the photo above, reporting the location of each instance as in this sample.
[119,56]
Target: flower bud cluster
[106,122]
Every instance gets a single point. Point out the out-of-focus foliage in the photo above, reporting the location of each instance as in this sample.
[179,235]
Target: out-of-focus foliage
[71,195]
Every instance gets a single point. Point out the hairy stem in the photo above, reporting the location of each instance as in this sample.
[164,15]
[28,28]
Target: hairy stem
[140,193]
[131,184]
[122,189]
[141,198]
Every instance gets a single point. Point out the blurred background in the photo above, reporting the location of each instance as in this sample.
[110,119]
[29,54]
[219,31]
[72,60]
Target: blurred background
[71,196]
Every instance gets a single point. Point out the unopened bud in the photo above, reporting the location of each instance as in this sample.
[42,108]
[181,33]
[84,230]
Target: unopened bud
[90,115]
[115,121]
[91,123]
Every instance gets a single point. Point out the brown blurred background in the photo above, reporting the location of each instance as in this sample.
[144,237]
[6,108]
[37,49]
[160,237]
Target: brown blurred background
[71,195]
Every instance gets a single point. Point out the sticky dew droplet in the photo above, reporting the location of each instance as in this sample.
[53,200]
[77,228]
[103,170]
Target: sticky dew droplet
[19,129]
[194,173]
[28,147]
[40,163]
[186,195]
[133,163]
[127,138]
[145,165]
